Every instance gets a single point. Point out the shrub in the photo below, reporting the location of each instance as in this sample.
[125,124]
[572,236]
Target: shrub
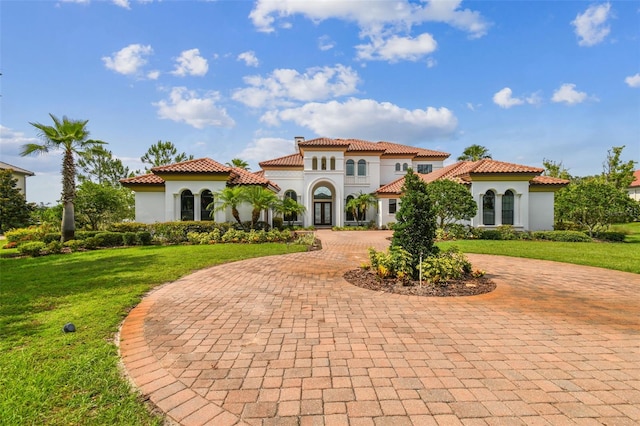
[394,263]
[129,238]
[32,248]
[563,236]
[144,237]
[616,237]
[489,234]
[54,247]
[277,223]
[83,235]
[507,232]
[128,227]
[74,245]
[51,237]
[21,235]
[109,239]
[448,265]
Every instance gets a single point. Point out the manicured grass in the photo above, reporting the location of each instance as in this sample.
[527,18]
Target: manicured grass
[49,377]
[620,256]
[631,229]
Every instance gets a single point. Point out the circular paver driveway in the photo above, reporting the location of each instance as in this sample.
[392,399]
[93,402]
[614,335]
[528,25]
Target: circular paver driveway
[285,340]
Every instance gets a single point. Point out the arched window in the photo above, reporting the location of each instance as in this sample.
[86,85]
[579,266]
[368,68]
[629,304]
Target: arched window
[405,167]
[351,168]
[206,198]
[314,163]
[489,208]
[332,163]
[323,163]
[186,205]
[362,168]
[507,208]
[350,216]
[291,194]
[398,167]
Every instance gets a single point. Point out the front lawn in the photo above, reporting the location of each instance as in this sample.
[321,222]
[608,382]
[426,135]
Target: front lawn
[49,377]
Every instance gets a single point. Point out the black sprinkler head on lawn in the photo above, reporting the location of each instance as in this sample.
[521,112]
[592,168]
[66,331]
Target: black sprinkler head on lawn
[69,328]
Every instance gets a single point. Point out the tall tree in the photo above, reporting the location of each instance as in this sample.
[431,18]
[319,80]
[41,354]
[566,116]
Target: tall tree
[451,201]
[72,137]
[358,206]
[15,212]
[99,166]
[474,153]
[415,229]
[557,170]
[239,163]
[163,153]
[260,199]
[616,172]
[229,197]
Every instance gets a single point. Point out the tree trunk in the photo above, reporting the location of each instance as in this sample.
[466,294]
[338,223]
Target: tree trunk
[68,222]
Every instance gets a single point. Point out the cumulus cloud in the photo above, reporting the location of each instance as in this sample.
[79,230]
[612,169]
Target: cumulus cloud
[504,99]
[262,148]
[395,48]
[249,58]
[122,3]
[129,60]
[284,86]
[591,26]
[633,80]
[325,43]
[568,94]
[368,119]
[186,106]
[191,63]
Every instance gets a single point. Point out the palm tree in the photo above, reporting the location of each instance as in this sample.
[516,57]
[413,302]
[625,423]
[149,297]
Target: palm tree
[358,206]
[288,207]
[230,196]
[239,163]
[261,199]
[71,136]
[474,153]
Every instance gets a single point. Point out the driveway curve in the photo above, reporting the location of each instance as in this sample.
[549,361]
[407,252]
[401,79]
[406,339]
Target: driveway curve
[286,341]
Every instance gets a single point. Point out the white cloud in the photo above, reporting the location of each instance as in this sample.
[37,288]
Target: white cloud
[325,43]
[263,148]
[397,48]
[284,86]
[591,26]
[249,58]
[11,140]
[191,63]
[568,94]
[504,99]
[185,106]
[122,3]
[368,119]
[128,60]
[153,75]
[633,80]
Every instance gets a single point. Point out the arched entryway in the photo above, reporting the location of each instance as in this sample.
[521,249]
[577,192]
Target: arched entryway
[323,204]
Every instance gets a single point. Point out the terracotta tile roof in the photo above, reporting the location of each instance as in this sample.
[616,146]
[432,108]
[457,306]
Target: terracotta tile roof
[293,160]
[386,148]
[636,181]
[548,180]
[492,166]
[244,177]
[149,179]
[324,142]
[200,165]
[398,149]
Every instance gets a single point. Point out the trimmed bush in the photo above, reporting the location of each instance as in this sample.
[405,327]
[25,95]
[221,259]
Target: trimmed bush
[83,235]
[32,248]
[394,263]
[615,237]
[563,236]
[74,245]
[129,238]
[144,237]
[129,227]
[448,265]
[109,239]
[489,234]
[54,247]
[51,237]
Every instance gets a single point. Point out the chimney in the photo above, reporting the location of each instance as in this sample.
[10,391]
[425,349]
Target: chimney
[297,140]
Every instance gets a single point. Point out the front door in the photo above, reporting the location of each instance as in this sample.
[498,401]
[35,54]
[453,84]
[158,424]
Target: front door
[322,213]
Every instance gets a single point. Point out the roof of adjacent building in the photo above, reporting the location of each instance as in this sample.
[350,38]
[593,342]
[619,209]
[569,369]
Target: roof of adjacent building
[15,169]
[293,160]
[200,165]
[384,148]
[636,180]
[463,171]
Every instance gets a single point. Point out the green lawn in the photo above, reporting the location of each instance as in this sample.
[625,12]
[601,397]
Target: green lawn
[49,377]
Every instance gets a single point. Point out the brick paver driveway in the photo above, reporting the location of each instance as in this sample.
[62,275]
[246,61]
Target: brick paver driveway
[286,341]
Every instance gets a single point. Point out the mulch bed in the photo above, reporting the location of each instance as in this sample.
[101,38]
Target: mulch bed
[469,286]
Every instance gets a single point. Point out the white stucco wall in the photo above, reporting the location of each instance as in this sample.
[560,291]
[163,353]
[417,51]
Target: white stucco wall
[634,193]
[521,201]
[149,207]
[541,211]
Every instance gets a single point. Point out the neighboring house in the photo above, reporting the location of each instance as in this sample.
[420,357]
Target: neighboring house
[634,188]
[325,173]
[19,174]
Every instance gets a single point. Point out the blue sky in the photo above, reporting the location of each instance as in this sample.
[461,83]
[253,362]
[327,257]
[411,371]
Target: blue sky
[223,79]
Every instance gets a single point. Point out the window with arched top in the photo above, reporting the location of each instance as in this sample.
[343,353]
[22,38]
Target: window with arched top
[351,165]
[405,167]
[350,216]
[398,167]
[206,200]
[323,163]
[362,168]
[332,163]
[314,163]
[186,205]
[508,208]
[489,208]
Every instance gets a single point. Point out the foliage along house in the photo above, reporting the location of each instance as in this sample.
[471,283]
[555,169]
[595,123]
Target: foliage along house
[325,173]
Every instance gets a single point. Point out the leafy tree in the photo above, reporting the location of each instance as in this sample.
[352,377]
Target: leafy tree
[474,153]
[288,207]
[415,230]
[15,212]
[616,172]
[49,215]
[230,196]
[260,199]
[99,204]
[594,204]
[358,206]
[239,163]
[451,201]
[72,137]
[99,165]
[557,170]
[163,153]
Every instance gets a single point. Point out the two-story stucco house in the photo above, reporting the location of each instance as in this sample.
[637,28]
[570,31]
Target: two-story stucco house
[324,173]
[19,174]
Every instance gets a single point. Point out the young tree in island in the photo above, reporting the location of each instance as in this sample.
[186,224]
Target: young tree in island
[289,208]
[415,229]
[72,137]
[163,153]
[15,212]
[474,153]
[451,201]
[229,197]
[239,163]
[358,206]
[260,199]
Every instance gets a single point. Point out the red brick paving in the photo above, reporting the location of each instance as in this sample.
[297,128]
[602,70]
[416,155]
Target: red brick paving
[285,340]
